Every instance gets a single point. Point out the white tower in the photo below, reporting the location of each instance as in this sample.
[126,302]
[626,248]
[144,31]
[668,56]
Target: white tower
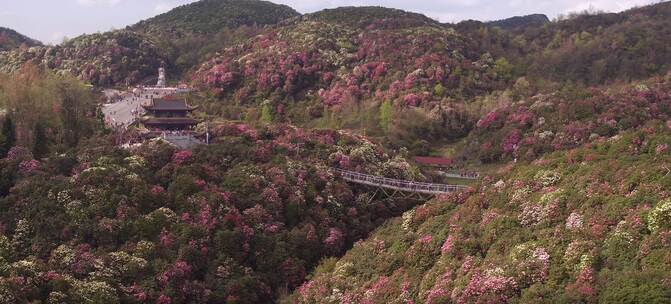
[161,78]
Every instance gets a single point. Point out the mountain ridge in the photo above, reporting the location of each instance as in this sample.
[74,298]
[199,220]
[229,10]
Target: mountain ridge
[211,16]
[11,39]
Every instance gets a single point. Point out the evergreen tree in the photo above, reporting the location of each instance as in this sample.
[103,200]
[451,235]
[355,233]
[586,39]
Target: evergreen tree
[9,134]
[40,145]
[266,114]
[503,69]
[386,113]
[70,117]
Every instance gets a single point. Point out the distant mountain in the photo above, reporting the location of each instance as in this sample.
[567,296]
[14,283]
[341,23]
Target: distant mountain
[597,48]
[212,16]
[10,39]
[535,20]
[194,32]
[367,15]
[588,48]
[107,59]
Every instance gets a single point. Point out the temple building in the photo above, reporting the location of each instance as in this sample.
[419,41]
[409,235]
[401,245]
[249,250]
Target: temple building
[169,113]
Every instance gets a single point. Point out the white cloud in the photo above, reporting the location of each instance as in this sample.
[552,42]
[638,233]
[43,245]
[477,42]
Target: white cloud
[56,37]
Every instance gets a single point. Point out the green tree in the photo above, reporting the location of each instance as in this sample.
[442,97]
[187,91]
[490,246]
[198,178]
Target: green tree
[521,88]
[70,114]
[9,134]
[266,112]
[503,68]
[386,115]
[439,90]
[40,144]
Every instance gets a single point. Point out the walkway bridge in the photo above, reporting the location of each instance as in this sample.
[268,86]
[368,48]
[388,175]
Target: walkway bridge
[397,184]
[459,175]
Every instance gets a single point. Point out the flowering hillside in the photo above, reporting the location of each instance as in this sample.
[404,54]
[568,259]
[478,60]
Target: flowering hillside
[242,220]
[406,58]
[565,119]
[590,224]
[568,122]
[108,59]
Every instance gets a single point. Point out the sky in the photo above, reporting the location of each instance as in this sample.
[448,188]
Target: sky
[52,20]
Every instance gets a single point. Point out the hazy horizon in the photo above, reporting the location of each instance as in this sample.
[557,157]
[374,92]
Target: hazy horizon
[51,21]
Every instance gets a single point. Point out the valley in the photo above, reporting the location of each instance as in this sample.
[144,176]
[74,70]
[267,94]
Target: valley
[238,151]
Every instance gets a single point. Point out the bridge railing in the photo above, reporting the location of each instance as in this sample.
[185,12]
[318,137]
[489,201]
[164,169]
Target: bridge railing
[396,183]
[471,176]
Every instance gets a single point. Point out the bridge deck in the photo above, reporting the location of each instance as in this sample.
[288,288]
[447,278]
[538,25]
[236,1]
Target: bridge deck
[397,184]
[459,175]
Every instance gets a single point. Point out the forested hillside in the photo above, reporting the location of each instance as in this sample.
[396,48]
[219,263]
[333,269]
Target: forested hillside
[10,39]
[588,47]
[212,16]
[529,21]
[107,59]
[241,220]
[194,32]
[568,121]
[586,225]
[326,71]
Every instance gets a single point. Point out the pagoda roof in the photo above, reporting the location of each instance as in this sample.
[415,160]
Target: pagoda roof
[169,121]
[169,103]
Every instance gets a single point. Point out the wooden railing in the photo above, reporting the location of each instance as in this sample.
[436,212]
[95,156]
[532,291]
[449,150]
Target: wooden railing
[397,184]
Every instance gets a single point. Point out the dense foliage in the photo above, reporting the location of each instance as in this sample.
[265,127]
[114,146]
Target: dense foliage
[566,118]
[45,112]
[321,71]
[193,33]
[388,59]
[529,21]
[363,16]
[575,114]
[10,39]
[336,67]
[212,16]
[586,225]
[587,47]
[107,59]
[242,220]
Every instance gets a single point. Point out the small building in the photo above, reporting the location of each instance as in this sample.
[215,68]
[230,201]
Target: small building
[436,162]
[169,113]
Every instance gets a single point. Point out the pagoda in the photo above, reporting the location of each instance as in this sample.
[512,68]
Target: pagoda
[169,113]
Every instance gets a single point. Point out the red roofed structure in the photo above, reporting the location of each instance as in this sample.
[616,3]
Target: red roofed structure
[169,113]
[438,162]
